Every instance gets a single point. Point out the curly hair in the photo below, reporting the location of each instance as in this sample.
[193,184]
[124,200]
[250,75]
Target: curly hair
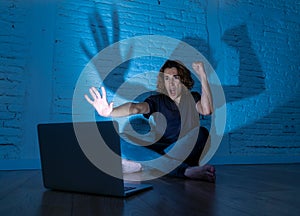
[183,72]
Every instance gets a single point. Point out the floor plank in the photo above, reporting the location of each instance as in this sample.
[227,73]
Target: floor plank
[239,190]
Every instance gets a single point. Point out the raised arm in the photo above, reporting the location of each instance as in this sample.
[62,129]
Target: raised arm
[205,105]
[105,109]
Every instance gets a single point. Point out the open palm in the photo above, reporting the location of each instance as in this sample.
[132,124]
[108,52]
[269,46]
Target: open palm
[99,102]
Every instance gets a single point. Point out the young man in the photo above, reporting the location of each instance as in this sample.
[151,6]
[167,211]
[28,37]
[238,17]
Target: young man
[181,109]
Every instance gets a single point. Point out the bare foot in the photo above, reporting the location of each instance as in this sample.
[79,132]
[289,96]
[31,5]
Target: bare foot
[204,173]
[130,166]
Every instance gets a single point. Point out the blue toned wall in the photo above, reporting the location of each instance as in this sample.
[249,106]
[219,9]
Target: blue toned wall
[252,45]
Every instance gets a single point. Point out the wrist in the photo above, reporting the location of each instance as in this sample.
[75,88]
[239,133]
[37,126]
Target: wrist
[203,77]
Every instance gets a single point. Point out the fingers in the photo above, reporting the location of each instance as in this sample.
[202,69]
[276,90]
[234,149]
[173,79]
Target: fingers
[103,93]
[88,99]
[199,69]
[198,65]
[96,95]
[93,91]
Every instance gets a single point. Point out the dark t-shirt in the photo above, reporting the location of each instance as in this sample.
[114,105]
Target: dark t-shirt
[179,119]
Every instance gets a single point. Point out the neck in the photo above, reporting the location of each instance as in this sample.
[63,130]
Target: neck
[177,100]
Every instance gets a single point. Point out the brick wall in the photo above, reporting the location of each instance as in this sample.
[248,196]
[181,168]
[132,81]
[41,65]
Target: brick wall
[252,45]
[13,78]
[259,44]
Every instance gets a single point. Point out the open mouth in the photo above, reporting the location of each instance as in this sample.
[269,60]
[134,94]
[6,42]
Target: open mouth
[172,92]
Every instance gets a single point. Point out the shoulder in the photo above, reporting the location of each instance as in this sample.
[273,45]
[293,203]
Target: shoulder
[158,101]
[154,102]
[156,97]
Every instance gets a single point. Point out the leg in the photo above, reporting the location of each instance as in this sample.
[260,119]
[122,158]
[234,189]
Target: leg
[194,171]
[134,157]
[178,156]
[188,149]
[190,167]
[194,156]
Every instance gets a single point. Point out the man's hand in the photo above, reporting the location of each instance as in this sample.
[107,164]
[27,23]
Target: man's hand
[100,103]
[199,69]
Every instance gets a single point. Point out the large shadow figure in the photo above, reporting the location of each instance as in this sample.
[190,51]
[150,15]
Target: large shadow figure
[251,78]
[252,83]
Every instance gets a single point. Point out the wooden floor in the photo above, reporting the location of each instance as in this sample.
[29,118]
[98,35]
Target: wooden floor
[239,190]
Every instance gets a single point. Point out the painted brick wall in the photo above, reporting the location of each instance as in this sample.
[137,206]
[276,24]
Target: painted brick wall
[260,43]
[13,78]
[252,45]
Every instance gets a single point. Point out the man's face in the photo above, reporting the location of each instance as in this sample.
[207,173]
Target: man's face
[173,84]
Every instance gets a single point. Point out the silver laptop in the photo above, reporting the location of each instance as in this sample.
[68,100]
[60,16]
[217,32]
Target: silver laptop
[65,166]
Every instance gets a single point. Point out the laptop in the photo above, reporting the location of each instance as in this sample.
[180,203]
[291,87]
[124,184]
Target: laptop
[65,166]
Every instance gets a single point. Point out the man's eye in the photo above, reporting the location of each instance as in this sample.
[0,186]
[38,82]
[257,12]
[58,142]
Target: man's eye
[176,76]
[166,78]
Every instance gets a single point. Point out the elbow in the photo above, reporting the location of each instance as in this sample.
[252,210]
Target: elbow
[139,108]
[207,112]
[204,110]
[133,109]
[136,108]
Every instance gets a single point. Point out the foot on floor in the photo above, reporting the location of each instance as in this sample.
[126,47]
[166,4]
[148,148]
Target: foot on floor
[131,166]
[204,173]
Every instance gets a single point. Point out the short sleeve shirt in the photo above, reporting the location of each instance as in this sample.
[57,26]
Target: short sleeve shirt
[178,120]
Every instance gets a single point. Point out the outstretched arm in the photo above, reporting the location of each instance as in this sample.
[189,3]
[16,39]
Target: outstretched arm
[105,109]
[205,105]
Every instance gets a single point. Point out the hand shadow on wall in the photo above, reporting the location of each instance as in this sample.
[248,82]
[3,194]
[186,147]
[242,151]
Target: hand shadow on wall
[102,39]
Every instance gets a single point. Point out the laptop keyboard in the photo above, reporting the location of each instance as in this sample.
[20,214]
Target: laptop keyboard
[127,188]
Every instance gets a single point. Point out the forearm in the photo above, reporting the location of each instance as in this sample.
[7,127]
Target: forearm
[128,109]
[205,105]
[206,97]
[122,110]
